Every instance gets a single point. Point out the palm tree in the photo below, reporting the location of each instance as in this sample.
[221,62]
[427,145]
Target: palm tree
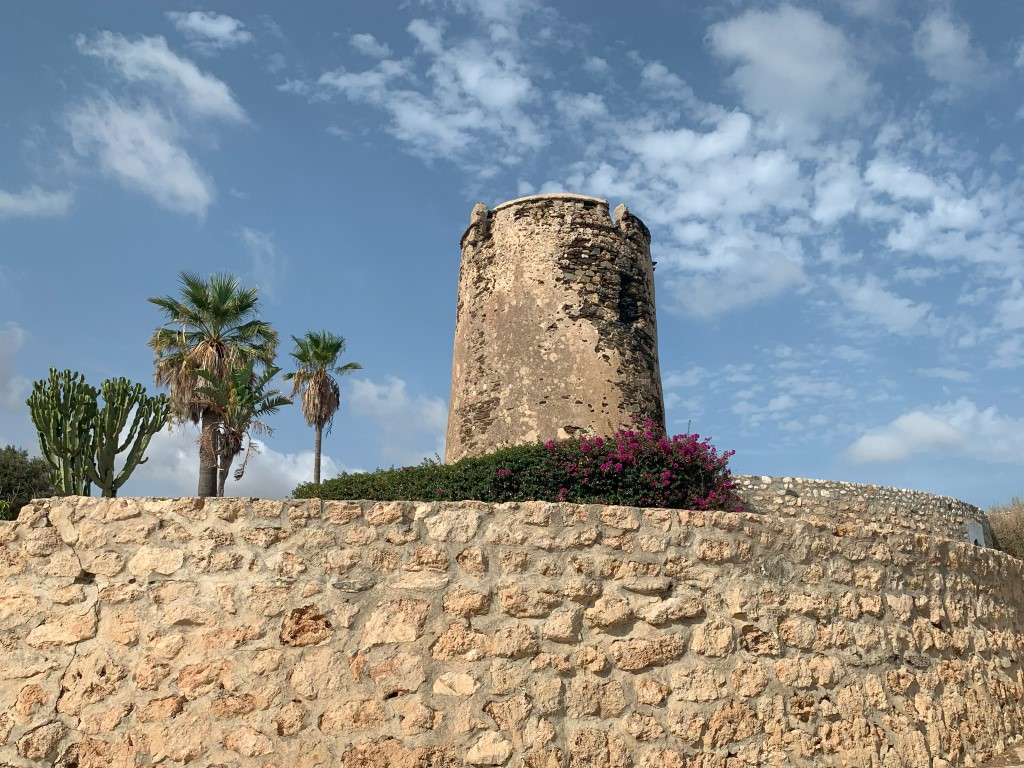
[237,404]
[213,325]
[317,357]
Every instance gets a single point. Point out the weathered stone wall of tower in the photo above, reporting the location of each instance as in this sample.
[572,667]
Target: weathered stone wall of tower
[555,329]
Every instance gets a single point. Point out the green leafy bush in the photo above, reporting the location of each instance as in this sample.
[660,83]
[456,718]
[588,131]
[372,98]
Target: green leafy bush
[641,467]
[21,480]
[1007,521]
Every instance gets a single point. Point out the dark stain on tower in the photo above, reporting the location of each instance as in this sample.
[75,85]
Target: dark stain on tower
[555,330]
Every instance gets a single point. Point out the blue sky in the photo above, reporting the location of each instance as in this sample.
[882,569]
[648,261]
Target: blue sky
[833,190]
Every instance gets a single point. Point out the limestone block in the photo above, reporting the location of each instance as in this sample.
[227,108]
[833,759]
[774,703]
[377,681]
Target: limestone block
[521,602]
[157,710]
[150,559]
[460,601]
[248,742]
[456,684]
[564,625]
[69,629]
[491,749]
[353,716]
[448,524]
[730,723]
[305,626]
[41,743]
[608,612]
[459,641]
[17,607]
[290,719]
[639,653]
[402,673]
[798,632]
[713,638]
[514,641]
[697,683]
[183,738]
[196,680]
[396,621]
[414,716]
[670,610]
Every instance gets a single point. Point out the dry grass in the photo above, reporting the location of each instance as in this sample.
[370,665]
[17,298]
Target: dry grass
[1007,522]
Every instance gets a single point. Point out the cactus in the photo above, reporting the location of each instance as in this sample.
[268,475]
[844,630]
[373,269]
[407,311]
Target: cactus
[80,441]
[123,398]
[63,409]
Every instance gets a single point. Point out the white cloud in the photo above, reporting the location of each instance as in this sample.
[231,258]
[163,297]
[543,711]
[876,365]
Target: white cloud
[735,270]
[410,427]
[1009,354]
[943,45]
[142,141]
[899,181]
[578,108]
[690,377]
[814,386]
[208,31]
[369,45]
[792,66]
[837,191]
[949,374]
[665,84]
[473,108]
[752,279]
[148,60]
[911,433]
[958,427]
[172,469]
[13,388]
[269,266]
[1010,311]
[684,146]
[33,202]
[141,147]
[595,65]
[370,85]
[871,300]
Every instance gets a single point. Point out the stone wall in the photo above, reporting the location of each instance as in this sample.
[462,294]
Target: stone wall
[830,500]
[555,324]
[237,632]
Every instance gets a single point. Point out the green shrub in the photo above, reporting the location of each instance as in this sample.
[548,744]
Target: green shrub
[1007,521]
[642,468]
[21,480]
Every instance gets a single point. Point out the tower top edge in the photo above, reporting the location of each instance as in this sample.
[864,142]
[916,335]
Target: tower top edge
[550,196]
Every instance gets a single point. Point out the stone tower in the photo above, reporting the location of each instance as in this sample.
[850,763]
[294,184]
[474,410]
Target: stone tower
[555,331]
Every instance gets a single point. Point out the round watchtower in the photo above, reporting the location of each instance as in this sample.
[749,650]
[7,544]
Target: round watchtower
[555,331]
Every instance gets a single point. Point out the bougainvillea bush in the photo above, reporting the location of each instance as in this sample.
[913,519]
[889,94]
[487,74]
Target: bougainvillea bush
[640,467]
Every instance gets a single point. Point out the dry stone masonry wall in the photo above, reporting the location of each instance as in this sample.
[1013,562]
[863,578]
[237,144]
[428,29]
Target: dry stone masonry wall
[830,500]
[237,632]
[555,326]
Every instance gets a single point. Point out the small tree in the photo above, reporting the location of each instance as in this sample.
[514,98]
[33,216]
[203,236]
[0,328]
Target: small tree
[317,357]
[214,325]
[63,408]
[124,399]
[80,440]
[21,480]
[237,404]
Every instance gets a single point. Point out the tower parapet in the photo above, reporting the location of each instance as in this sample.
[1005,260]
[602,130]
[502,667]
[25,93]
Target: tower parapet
[555,330]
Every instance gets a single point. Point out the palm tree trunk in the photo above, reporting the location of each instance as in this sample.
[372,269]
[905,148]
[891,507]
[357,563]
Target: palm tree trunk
[207,471]
[224,475]
[316,453]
